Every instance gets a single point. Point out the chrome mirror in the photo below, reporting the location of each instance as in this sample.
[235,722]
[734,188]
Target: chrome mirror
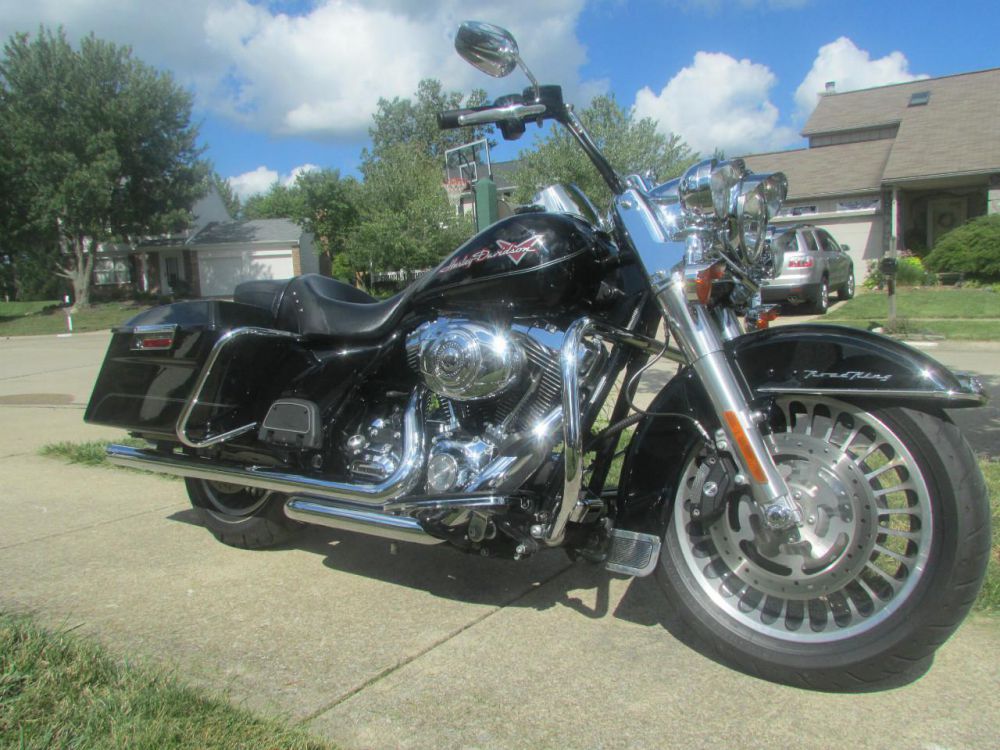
[489,48]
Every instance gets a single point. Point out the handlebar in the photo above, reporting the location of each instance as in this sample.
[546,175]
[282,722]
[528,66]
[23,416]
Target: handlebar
[460,118]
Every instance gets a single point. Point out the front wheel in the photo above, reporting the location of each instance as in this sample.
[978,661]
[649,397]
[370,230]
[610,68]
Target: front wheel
[888,560]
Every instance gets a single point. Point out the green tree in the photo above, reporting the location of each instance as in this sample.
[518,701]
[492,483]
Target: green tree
[229,197]
[279,202]
[414,121]
[320,201]
[405,220]
[102,144]
[632,146]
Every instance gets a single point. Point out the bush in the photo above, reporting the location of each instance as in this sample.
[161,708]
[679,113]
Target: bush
[972,249]
[909,272]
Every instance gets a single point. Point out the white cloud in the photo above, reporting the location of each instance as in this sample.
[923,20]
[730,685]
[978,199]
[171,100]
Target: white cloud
[321,71]
[850,68]
[259,180]
[719,102]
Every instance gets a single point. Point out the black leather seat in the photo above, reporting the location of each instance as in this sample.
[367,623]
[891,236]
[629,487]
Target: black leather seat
[315,305]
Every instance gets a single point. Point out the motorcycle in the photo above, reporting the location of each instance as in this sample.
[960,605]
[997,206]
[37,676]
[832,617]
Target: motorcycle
[799,493]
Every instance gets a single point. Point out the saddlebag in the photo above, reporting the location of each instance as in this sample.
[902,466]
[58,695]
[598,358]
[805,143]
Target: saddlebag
[154,362]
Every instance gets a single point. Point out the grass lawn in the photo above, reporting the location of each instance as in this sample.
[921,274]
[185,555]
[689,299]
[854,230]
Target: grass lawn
[40,318]
[58,690]
[950,312]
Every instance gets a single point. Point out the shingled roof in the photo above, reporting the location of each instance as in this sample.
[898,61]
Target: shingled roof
[956,132]
[832,170]
[247,232]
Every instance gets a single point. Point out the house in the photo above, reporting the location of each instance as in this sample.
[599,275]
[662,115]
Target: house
[209,259]
[895,167]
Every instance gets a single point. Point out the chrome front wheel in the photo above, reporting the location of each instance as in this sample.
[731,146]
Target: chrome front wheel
[844,586]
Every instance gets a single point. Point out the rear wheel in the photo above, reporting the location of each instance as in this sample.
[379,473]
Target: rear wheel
[821,302]
[889,557]
[847,290]
[241,516]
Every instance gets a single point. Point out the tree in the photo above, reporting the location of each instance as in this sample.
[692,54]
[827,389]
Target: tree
[405,220]
[632,146]
[102,146]
[229,197]
[320,201]
[404,217]
[414,122]
[279,202]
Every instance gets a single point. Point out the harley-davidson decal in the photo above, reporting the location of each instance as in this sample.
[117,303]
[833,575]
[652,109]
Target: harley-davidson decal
[515,251]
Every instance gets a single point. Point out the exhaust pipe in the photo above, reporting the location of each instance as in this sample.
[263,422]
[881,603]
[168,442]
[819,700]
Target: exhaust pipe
[373,523]
[401,482]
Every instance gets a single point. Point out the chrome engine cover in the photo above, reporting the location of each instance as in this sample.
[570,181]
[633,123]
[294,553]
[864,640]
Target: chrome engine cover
[464,360]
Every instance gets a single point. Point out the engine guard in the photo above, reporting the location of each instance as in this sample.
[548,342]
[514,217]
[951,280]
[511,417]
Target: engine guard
[809,359]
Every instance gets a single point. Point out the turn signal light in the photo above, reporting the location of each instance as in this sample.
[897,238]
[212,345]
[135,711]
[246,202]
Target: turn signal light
[702,282]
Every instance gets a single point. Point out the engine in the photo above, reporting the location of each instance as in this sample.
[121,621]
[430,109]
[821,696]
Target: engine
[492,384]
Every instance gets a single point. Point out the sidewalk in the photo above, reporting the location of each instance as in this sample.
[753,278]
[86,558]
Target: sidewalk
[428,648]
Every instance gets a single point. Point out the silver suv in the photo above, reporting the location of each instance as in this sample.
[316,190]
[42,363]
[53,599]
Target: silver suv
[809,265]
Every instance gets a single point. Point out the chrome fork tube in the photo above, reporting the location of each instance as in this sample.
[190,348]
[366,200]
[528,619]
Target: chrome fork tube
[695,331]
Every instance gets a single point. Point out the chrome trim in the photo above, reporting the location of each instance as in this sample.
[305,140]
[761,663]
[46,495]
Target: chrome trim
[192,402]
[483,502]
[693,328]
[572,434]
[971,397]
[510,112]
[399,483]
[400,528]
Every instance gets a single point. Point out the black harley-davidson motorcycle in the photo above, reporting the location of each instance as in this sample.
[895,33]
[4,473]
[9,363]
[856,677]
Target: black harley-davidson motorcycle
[800,494]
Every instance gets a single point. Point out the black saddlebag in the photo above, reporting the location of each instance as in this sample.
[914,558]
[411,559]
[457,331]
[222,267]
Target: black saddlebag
[155,359]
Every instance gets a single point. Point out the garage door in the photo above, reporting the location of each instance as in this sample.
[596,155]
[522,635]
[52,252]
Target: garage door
[219,271]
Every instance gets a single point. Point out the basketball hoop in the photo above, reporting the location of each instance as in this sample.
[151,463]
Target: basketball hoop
[455,187]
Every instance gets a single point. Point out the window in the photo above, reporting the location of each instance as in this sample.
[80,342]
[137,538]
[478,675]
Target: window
[112,271]
[172,268]
[810,241]
[919,98]
[827,242]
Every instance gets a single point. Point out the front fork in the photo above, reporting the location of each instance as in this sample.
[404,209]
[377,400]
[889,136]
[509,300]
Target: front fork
[697,334]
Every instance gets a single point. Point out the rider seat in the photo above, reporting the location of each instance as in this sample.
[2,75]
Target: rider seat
[314,305]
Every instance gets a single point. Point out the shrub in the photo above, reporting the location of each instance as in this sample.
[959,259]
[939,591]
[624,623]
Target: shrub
[972,249]
[910,271]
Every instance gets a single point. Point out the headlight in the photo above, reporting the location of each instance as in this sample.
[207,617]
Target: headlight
[759,198]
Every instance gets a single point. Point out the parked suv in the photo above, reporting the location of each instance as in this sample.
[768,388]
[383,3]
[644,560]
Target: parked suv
[810,264]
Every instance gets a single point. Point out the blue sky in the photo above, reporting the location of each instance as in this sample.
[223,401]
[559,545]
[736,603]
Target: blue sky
[288,85]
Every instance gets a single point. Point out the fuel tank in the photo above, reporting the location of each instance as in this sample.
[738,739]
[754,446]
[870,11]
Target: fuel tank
[535,262]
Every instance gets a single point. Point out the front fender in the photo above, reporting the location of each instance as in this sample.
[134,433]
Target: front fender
[808,359]
[816,359]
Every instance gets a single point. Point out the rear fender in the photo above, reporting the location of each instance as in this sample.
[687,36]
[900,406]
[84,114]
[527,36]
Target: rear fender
[818,360]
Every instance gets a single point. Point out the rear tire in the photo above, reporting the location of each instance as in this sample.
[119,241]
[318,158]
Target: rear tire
[241,516]
[847,290]
[821,303]
[883,570]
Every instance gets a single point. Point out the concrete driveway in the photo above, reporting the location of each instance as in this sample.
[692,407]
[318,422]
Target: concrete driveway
[427,648]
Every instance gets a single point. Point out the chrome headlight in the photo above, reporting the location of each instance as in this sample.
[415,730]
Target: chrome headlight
[758,200]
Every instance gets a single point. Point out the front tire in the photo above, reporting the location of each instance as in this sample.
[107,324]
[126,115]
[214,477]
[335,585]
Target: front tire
[888,561]
[241,516]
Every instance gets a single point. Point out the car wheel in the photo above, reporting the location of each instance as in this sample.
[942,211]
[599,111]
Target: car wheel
[847,290]
[821,303]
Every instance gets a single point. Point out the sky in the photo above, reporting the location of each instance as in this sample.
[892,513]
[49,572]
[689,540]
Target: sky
[283,86]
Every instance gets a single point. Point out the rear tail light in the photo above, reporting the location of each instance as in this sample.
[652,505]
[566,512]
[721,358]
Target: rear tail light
[153,338]
[805,262]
